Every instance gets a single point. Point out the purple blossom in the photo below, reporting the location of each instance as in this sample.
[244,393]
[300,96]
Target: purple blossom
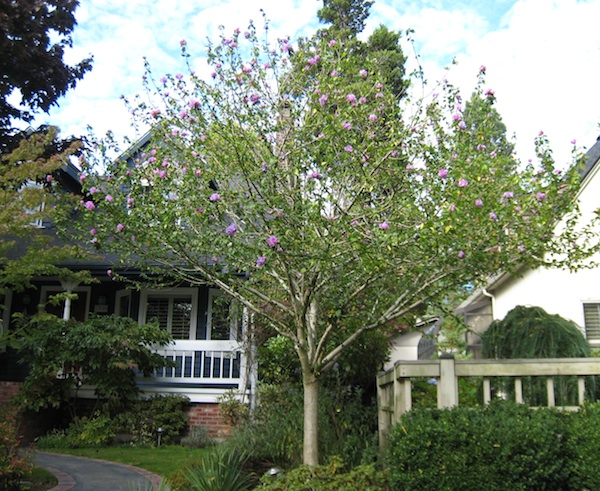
[254,98]
[347,126]
[373,117]
[194,104]
[109,272]
[508,194]
[457,117]
[493,216]
[443,173]
[541,196]
[461,254]
[462,125]
[363,73]
[478,203]
[93,231]
[183,42]
[155,113]
[272,241]
[463,183]
[323,99]
[89,205]
[351,98]
[452,207]
[311,61]
[384,226]
[83,177]
[215,197]
[231,230]
[362,100]
[332,43]
[348,148]
[260,261]
[93,190]
[183,114]
[109,198]
[334,73]
[314,175]
[120,227]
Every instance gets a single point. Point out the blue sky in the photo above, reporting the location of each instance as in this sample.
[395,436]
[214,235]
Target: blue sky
[542,56]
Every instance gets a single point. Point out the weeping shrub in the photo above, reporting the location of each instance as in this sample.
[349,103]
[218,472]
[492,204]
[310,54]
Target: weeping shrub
[531,332]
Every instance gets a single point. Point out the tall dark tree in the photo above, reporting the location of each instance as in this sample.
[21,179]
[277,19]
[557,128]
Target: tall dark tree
[347,20]
[33,38]
[345,15]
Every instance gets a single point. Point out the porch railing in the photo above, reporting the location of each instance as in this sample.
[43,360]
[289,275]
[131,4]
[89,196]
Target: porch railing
[394,386]
[200,367]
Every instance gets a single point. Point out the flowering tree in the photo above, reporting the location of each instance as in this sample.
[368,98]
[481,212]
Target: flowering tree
[346,209]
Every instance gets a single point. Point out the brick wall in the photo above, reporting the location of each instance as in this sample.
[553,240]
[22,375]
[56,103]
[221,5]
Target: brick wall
[7,391]
[208,416]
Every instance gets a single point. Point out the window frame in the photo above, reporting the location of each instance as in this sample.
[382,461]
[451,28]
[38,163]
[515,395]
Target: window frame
[595,337]
[171,294]
[235,328]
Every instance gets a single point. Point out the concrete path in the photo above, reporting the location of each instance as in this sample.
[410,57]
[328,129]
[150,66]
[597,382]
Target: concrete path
[83,474]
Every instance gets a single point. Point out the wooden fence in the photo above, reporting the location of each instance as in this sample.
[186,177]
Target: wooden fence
[394,386]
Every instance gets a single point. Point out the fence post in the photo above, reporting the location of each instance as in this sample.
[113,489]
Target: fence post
[448,385]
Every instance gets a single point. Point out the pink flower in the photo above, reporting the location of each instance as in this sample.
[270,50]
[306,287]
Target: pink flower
[89,205]
[384,226]
[493,216]
[351,98]
[363,73]
[215,197]
[323,100]
[82,177]
[347,126]
[373,117]
[155,113]
[362,100]
[272,241]
[314,175]
[332,43]
[183,42]
[478,203]
[334,73]
[120,227]
[49,178]
[541,196]
[93,190]
[260,261]
[463,183]
[348,148]
[93,231]
[194,104]
[109,272]
[443,173]
[482,68]
[461,254]
[452,207]
[508,194]
[109,198]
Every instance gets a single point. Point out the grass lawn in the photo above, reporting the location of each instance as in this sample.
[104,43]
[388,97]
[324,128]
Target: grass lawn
[39,480]
[162,460]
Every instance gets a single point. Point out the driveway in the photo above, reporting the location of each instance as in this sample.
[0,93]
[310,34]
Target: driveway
[83,474]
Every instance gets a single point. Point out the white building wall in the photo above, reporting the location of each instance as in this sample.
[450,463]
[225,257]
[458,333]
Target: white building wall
[557,291]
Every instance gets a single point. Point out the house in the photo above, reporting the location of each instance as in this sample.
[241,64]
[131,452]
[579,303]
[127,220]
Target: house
[208,350]
[572,295]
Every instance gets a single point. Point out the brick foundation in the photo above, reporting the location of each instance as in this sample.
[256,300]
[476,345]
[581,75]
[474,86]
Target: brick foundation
[208,416]
[7,391]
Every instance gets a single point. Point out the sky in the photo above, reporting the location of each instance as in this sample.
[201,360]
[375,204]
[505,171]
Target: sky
[542,56]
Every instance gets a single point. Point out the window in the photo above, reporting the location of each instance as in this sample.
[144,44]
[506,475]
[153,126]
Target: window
[123,303]
[224,317]
[174,310]
[591,316]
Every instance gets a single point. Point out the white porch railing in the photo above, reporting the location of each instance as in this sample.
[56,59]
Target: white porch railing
[394,387]
[202,370]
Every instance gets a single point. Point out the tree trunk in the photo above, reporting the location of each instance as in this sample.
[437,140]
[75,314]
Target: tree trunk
[311,419]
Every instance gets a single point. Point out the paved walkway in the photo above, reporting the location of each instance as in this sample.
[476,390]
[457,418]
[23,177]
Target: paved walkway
[83,474]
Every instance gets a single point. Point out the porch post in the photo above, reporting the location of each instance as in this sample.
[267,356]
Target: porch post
[68,286]
[448,386]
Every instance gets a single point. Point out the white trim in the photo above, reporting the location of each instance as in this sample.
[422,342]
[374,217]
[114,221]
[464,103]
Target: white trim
[82,289]
[171,293]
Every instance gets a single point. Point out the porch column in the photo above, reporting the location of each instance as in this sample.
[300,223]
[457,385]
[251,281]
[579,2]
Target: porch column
[68,286]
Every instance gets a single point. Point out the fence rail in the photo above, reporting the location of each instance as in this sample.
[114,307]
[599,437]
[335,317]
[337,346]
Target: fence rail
[394,386]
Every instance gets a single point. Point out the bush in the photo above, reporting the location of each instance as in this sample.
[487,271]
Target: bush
[14,464]
[197,438]
[498,447]
[98,431]
[334,476]
[143,418]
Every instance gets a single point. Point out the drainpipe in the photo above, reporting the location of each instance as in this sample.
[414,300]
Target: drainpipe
[492,301]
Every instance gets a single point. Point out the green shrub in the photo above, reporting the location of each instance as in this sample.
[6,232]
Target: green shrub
[145,416]
[335,476]
[501,446]
[14,463]
[98,431]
